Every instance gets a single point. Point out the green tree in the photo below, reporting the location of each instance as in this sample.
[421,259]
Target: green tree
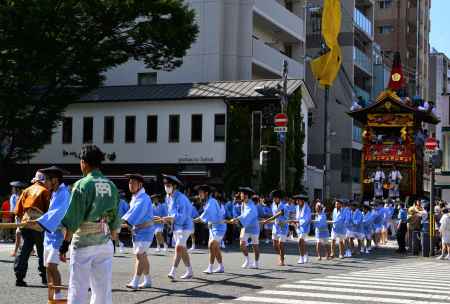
[53,51]
[238,167]
[294,145]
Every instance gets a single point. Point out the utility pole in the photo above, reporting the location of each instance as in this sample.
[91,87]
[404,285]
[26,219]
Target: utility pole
[325,143]
[283,102]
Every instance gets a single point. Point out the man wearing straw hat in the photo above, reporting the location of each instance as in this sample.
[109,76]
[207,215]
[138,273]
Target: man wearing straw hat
[32,203]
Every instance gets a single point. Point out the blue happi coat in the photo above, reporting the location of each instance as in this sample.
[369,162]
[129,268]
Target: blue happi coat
[368,223]
[214,215]
[249,218]
[378,218]
[123,208]
[160,210]
[51,220]
[303,216]
[339,218]
[140,212]
[180,208]
[280,226]
[357,221]
[321,226]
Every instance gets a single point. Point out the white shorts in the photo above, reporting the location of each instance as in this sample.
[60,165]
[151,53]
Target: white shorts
[140,247]
[446,239]
[322,240]
[368,236]
[159,229]
[253,237]
[216,237]
[378,230]
[181,237]
[337,236]
[279,237]
[51,256]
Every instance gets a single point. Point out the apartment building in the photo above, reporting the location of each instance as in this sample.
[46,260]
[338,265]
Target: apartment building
[404,26]
[238,40]
[439,73]
[354,80]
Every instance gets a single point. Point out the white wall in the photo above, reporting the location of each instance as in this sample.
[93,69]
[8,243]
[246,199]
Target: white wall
[142,152]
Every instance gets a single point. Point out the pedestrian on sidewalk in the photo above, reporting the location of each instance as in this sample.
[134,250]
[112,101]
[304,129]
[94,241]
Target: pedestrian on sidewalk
[445,234]
[402,228]
[140,219]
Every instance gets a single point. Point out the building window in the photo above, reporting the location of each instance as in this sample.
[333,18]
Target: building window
[316,19]
[130,129]
[196,127]
[174,128]
[108,129]
[152,128]
[67,130]
[219,127]
[88,130]
[256,133]
[385,3]
[147,78]
[385,29]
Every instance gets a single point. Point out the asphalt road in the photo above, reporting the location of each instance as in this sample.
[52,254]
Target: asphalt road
[236,285]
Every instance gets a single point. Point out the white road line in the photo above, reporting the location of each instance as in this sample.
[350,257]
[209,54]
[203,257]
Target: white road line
[356,278]
[371,286]
[397,278]
[279,301]
[343,297]
[366,291]
[437,276]
[380,285]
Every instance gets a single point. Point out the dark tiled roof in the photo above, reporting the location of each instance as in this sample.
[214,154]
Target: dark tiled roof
[219,89]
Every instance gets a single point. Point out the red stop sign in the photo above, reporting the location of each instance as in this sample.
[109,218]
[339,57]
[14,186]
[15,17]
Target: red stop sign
[281,120]
[431,144]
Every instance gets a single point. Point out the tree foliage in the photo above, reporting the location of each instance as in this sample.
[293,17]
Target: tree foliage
[53,51]
[238,167]
[294,145]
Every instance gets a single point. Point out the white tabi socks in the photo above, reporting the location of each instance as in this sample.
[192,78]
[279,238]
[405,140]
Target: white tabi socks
[188,274]
[219,269]
[208,270]
[246,262]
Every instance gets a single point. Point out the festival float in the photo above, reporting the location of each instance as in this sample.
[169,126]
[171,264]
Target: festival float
[392,161]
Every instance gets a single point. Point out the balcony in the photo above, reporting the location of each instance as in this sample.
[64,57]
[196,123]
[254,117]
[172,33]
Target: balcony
[274,16]
[362,60]
[363,23]
[271,60]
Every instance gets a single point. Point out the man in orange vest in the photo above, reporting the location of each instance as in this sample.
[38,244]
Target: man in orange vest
[33,202]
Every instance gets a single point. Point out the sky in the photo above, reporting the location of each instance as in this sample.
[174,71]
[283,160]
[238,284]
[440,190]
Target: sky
[440,24]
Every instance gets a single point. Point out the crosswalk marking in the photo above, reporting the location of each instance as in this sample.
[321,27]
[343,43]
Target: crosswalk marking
[379,285]
[387,279]
[412,283]
[311,286]
[341,297]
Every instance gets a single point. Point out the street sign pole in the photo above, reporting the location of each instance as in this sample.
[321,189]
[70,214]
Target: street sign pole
[430,148]
[283,143]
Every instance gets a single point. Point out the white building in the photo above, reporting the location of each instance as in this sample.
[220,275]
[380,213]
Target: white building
[238,40]
[439,71]
[172,128]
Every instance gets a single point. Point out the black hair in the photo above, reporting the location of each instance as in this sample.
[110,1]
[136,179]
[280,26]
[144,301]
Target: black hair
[92,155]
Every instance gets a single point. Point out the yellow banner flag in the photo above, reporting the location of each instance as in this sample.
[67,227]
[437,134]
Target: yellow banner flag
[326,67]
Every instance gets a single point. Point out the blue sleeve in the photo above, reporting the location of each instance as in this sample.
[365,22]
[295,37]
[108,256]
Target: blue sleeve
[248,216]
[136,213]
[357,218]
[51,220]
[206,215]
